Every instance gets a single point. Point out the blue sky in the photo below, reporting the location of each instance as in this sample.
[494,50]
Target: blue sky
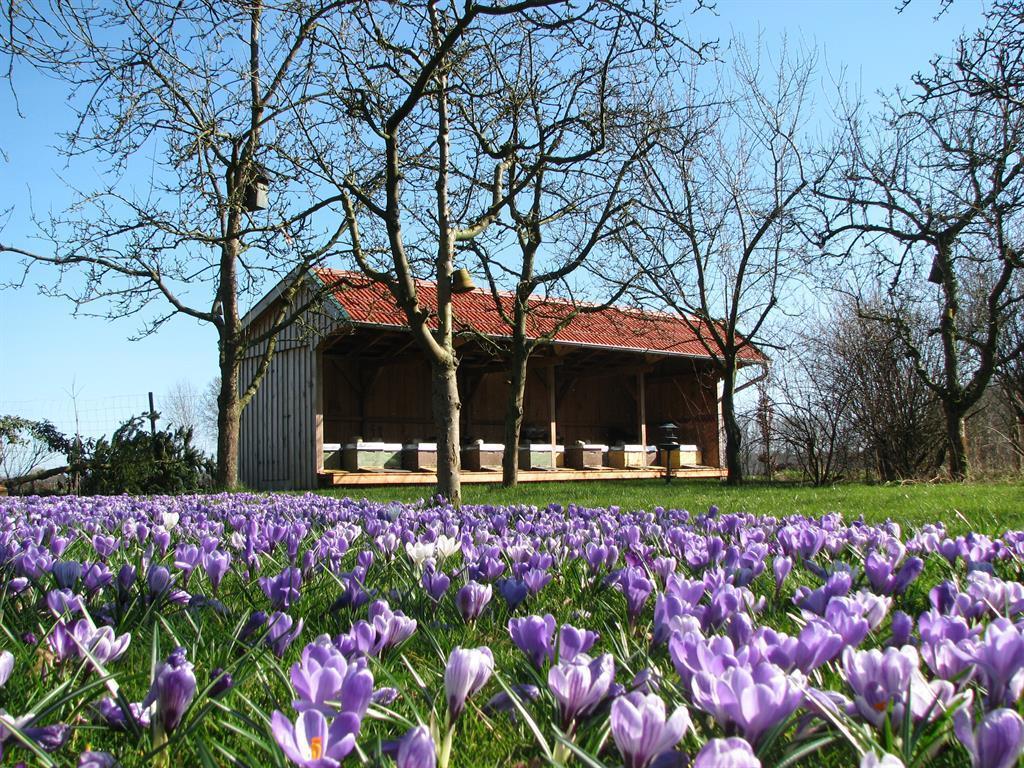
[49,354]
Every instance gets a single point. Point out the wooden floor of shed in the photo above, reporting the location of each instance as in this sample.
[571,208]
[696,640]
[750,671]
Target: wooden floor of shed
[335,478]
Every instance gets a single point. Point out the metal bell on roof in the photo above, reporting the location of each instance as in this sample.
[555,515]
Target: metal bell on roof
[462,281]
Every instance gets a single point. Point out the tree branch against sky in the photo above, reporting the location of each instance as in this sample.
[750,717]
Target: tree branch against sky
[927,198]
[581,121]
[179,108]
[723,243]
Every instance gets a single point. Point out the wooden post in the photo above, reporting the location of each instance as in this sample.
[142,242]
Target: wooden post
[153,416]
[641,408]
[318,408]
[552,410]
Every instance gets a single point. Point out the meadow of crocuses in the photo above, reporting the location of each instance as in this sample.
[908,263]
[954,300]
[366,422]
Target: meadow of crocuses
[256,630]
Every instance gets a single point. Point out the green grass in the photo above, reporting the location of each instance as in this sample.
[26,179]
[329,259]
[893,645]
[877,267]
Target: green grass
[983,507]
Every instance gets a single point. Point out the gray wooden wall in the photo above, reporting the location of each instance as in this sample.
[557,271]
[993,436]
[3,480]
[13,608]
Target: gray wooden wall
[282,427]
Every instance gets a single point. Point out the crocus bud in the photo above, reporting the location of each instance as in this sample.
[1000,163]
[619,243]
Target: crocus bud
[416,749]
[467,672]
[781,567]
[174,685]
[158,579]
[66,573]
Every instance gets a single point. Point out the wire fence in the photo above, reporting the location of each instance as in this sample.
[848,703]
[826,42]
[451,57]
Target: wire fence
[89,417]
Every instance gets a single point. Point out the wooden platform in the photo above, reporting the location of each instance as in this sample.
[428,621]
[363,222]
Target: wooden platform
[334,478]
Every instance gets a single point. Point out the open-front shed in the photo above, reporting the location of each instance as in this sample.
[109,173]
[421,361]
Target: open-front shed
[346,400]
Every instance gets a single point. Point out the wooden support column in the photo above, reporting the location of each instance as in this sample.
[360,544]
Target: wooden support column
[641,408]
[318,407]
[552,411]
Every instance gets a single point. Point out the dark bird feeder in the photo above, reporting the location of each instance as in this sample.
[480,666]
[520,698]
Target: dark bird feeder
[668,443]
[256,190]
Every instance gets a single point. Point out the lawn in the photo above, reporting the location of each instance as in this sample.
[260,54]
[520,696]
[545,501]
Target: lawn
[984,507]
[119,614]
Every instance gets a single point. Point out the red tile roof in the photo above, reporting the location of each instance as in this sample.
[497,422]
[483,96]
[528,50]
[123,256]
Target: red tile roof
[368,303]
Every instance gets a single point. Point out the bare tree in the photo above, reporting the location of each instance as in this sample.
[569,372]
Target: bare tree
[185,406]
[814,414]
[580,120]
[415,181]
[1010,376]
[725,187]
[932,192]
[190,109]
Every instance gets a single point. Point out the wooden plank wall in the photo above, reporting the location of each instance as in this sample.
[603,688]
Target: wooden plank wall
[279,446]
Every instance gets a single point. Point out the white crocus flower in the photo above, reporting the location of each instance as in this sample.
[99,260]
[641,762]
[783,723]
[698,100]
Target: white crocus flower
[419,552]
[447,546]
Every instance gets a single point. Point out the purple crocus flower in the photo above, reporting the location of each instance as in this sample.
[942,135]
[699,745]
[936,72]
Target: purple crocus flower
[536,579]
[997,741]
[781,566]
[325,680]
[882,679]
[581,685]
[216,564]
[221,682]
[101,644]
[392,628]
[636,588]
[435,582]
[755,700]
[61,642]
[280,632]
[534,636]
[640,729]
[49,738]
[312,742]
[66,573]
[115,716]
[817,644]
[468,671]
[572,642]
[159,580]
[62,602]
[514,591]
[174,685]
[282,590]
[999,659]
[90,759]
[727,753]
[902,626]
[416,749]
[471,600]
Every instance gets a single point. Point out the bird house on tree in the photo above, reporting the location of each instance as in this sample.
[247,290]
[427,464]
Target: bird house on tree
[256,190]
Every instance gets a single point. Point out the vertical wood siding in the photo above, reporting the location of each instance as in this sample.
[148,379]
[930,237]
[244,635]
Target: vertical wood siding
[279,446]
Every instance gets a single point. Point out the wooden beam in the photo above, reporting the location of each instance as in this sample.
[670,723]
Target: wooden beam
[641,407]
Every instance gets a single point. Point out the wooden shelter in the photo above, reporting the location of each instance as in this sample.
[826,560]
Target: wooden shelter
[346,400]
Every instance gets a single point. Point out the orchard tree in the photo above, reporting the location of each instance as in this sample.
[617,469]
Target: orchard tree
[419,174]
[581,122]
[723,242]
[927,202]
[189,111]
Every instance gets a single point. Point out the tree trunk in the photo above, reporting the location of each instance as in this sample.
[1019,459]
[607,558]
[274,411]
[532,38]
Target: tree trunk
[228,416]
[733,434]
[513,418]
[445,398]
[956,443]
